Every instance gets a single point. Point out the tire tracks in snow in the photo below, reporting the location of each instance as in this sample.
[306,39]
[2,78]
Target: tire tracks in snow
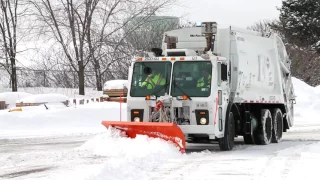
[281,162]
[275,161]
[203,165]
[202,168]
[33,157]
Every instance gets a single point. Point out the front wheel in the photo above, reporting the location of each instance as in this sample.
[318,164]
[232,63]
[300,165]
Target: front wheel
[227,142]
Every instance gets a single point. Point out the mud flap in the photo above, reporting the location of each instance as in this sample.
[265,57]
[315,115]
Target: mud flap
[166,131]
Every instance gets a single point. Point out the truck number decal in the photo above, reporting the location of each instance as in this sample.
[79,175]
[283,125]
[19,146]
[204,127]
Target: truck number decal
[202,105]
[265,70]
[272,98]
[151,58]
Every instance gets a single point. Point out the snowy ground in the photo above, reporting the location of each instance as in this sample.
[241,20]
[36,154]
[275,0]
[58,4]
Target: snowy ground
[72,93]
[71,143]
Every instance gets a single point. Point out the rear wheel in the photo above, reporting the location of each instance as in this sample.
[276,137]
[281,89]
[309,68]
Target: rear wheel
[227,142]
[264,130]
[277,122]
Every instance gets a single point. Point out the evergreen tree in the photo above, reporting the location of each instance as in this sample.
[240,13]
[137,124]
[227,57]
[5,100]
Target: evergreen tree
[300,22]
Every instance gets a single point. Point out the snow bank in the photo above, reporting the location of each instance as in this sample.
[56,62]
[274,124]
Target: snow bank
[37,121]
[306,94]
[308,98]
[125,158]
[40,98]
[12,97]
[307,109]
[115,84]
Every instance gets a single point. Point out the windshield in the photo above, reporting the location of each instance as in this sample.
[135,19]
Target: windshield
[150,78]
[192,78]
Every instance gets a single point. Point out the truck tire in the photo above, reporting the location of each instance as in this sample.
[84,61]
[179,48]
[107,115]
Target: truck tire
[277,122]
[263,135]
[227,142]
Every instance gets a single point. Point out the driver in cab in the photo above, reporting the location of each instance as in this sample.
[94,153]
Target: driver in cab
[205,80]
[154,79]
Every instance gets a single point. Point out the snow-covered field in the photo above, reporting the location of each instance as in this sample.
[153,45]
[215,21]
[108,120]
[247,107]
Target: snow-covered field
[72,93]
[71,143]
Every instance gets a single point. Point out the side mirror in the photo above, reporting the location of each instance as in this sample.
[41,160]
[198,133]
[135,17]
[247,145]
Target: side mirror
[224,72]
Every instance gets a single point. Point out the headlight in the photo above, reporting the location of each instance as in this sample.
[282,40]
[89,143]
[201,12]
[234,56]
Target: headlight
[136,119]
[203,121]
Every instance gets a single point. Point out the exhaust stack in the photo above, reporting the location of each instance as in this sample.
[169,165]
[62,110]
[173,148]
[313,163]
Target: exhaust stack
[171,41]
[209,29]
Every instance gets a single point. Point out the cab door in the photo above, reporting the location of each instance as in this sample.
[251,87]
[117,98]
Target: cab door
[222,99]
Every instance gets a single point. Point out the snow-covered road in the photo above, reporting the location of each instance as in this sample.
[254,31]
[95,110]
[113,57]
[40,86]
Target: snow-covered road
[58,157]
[38,157]
[291,159]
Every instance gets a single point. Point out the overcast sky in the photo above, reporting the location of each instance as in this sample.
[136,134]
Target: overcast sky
[241,13]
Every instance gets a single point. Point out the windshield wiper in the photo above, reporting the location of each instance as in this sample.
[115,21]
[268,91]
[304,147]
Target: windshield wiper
[158,89]
[164,86]
[175,84]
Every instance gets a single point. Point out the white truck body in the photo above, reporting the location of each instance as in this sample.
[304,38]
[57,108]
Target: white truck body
[257,85]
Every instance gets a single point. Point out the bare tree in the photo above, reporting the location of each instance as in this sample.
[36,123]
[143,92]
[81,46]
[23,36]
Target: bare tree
[149,34]
[69,22]
[8,28]
[267,26]
[83,28]
[262,26]
[107,42]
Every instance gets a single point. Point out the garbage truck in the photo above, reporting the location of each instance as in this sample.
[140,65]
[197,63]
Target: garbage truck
[211,83]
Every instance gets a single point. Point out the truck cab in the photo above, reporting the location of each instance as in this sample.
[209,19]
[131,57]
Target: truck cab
[192,86]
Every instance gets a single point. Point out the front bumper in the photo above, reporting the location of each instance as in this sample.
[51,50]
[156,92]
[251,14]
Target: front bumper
[198,129]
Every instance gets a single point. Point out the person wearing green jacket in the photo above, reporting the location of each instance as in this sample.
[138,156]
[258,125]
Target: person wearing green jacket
[205,80]
[153,80]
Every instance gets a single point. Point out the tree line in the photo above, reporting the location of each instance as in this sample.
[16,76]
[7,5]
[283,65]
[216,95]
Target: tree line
[101,36]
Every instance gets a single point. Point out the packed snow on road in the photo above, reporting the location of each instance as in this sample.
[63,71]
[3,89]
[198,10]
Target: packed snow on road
[71,143]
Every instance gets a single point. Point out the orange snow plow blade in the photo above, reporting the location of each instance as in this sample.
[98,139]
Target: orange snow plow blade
[167,131]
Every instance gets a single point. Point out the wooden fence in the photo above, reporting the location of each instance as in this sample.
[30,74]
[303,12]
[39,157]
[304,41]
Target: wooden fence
[37,104]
